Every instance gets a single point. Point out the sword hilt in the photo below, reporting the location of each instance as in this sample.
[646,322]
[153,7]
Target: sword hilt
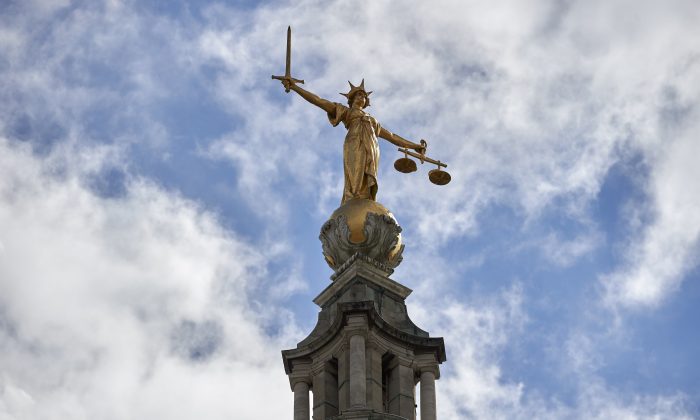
[288,78]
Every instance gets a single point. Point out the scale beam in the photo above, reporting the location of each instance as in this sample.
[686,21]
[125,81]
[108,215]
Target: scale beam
[422,157]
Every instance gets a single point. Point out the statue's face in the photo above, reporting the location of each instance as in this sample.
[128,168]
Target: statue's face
[359,100]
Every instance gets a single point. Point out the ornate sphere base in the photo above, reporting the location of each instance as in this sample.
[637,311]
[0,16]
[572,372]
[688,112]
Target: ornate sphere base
[365,227]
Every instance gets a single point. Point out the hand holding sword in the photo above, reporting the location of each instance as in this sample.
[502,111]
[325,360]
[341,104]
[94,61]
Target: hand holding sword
[287,79]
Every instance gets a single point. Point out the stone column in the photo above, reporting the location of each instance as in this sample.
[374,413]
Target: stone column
[401,395]
[343,377]
[374,377]
[325,386]
[358,372]
[428,408]
[301,401]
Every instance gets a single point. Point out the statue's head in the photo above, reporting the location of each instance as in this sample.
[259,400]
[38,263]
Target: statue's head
[357,90]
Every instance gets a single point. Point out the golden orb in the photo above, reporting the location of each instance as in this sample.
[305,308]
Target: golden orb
[355,212]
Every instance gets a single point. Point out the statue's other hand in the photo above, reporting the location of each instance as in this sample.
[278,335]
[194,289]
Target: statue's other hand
[287,84]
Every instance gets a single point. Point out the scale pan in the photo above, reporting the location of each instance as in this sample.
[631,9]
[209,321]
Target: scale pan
[439,177]
[405,165]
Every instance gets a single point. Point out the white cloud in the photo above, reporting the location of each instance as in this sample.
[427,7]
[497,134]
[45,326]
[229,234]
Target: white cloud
[665,250]
[94,292]
[563,253]
[92,68]
[476,385]
[473,389]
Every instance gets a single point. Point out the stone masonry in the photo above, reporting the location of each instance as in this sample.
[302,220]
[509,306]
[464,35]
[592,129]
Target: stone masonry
[365,355]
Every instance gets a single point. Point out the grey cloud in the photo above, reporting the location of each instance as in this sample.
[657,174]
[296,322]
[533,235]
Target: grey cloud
[91,286]
[196,341]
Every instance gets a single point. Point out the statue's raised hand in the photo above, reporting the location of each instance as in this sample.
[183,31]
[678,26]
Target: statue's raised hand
[287,83]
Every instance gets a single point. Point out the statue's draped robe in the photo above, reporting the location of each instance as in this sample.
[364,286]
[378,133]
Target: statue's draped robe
[360,152]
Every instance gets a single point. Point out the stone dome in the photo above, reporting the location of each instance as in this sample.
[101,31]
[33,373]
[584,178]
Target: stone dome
[362,226]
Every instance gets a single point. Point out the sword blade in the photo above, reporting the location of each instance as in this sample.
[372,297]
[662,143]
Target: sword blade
[288,67]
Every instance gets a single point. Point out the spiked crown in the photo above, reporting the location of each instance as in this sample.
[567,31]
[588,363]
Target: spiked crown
[354,89]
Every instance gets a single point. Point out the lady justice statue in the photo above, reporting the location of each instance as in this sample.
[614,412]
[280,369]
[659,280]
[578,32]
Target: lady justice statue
[359,209]
[361,149]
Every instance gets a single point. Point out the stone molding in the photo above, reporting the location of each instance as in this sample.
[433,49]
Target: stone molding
[302,373]
[427,363]
[433,345]
[401,360]
[360,268]
[321,366]
[361,257]
[366,415]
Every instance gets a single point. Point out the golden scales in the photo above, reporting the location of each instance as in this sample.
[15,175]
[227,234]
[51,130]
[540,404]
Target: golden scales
[407,165]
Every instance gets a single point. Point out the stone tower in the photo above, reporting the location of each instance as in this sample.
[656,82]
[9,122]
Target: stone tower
[365,356]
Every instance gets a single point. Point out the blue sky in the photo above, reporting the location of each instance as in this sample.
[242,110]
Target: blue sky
[161,197]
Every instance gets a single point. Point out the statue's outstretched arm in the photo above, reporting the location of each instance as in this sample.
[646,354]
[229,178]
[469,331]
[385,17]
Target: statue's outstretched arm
[324,104]
[400,141]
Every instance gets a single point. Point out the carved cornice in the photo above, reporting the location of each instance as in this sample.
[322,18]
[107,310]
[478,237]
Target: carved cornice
[419,345]
[358,267]
[301,373]
[361,257]
[426,362]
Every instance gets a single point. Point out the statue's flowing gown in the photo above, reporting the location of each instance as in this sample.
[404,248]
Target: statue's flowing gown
[360,152]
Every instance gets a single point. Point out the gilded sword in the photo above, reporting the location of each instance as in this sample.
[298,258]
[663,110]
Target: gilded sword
[288,67]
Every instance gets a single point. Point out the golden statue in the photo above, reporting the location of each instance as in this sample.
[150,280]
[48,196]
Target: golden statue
[361,149]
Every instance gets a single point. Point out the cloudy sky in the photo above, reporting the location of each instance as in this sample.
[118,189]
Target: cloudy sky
[161,198]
